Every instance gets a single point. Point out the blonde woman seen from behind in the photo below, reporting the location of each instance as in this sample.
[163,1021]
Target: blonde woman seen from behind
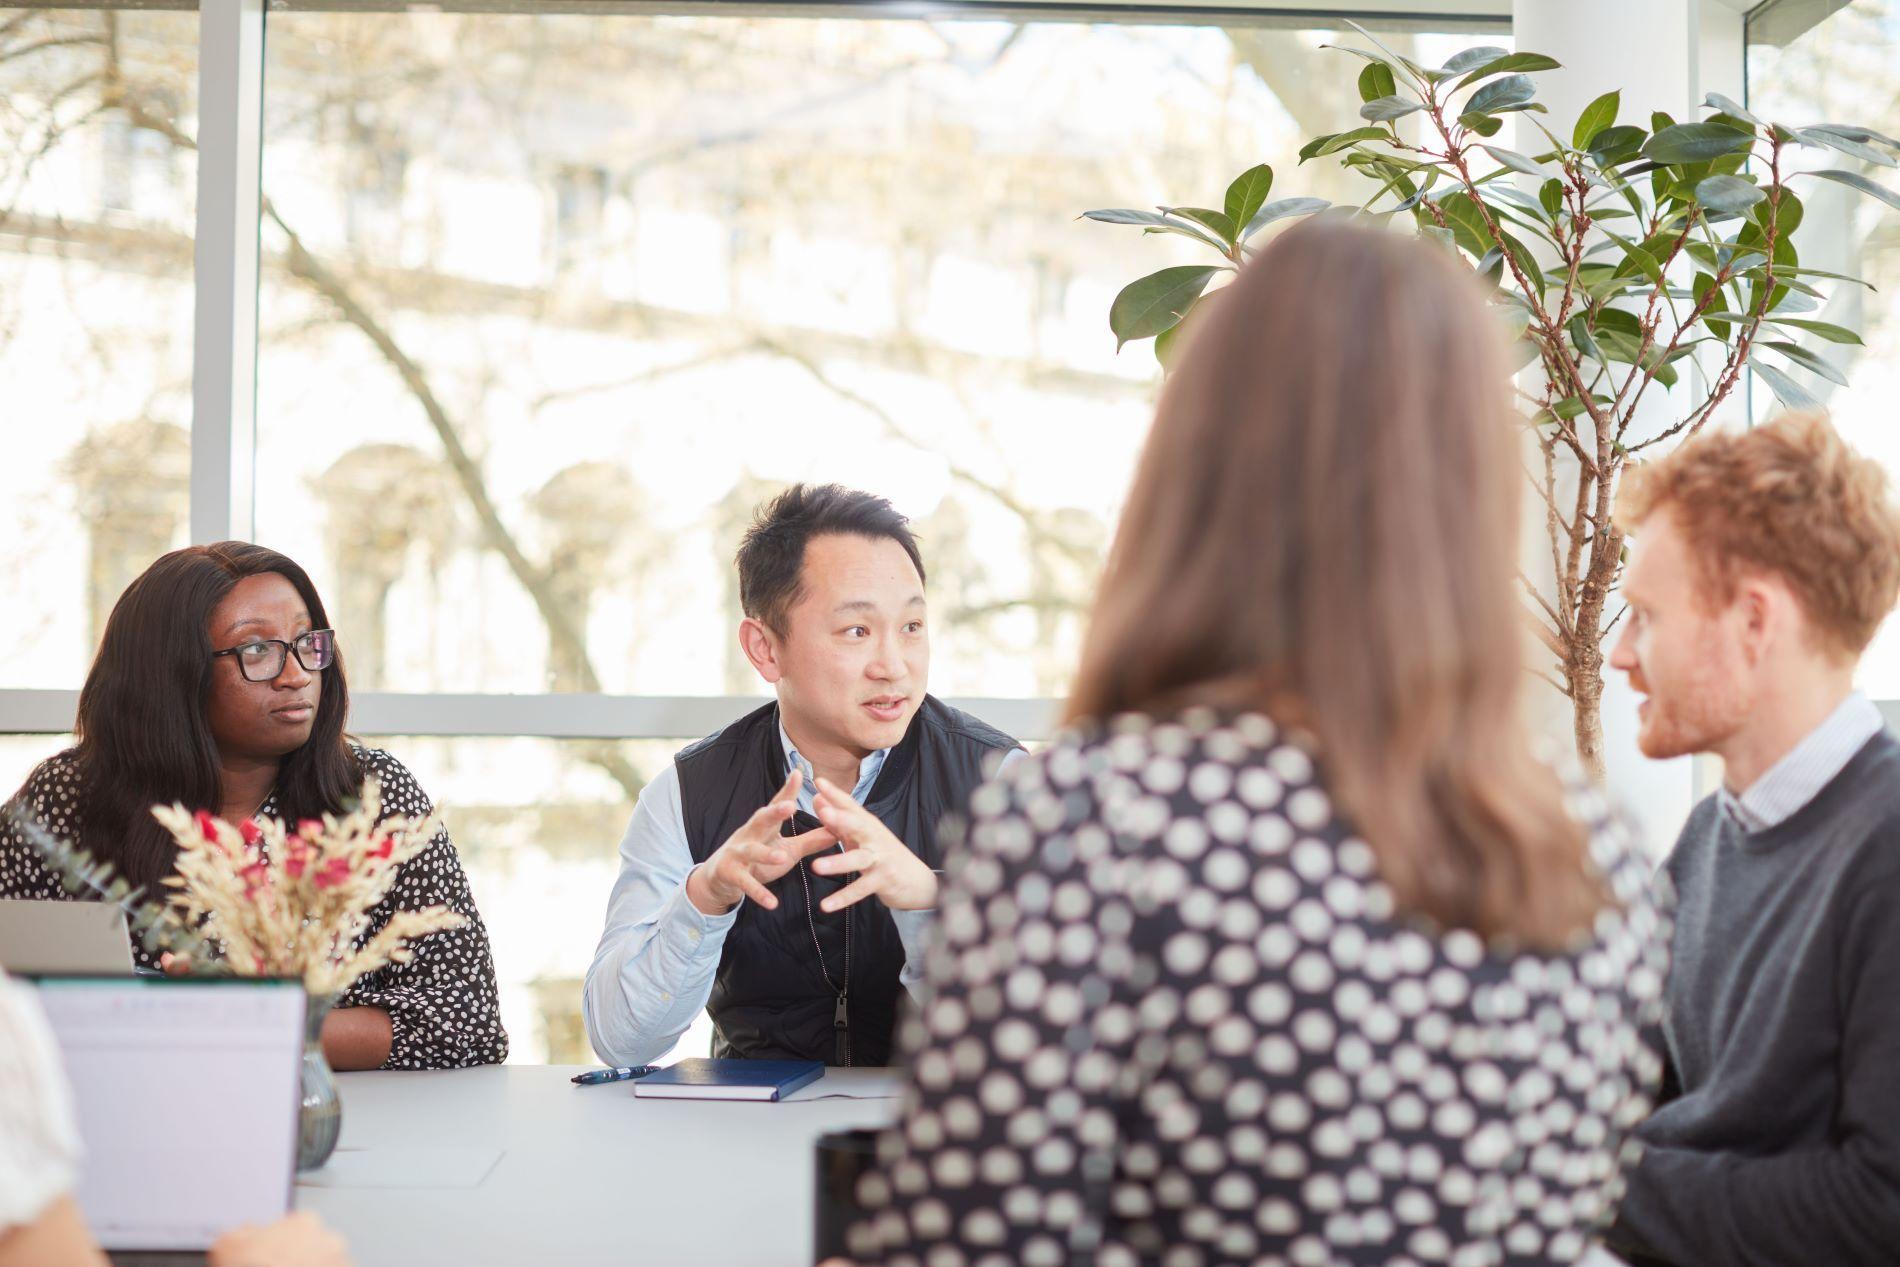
[1287,950]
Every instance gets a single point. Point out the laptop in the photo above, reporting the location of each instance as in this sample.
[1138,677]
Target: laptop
[187,1093]
[54,936]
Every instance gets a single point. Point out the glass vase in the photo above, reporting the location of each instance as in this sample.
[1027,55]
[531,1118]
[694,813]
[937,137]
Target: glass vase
[320,1119]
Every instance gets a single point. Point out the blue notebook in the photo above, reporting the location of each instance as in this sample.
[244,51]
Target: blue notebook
[729,1080]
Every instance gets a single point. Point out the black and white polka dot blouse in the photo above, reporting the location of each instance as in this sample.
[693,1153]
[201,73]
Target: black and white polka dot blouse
[1174,1019]
[442,1004]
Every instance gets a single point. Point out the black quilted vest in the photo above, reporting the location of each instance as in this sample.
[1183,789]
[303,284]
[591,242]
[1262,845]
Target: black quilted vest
[770,999]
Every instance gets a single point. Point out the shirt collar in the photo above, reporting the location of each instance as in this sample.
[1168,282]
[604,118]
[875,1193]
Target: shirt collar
[1808,767]
[868,770]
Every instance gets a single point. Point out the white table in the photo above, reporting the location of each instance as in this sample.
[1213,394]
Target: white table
[586,1175]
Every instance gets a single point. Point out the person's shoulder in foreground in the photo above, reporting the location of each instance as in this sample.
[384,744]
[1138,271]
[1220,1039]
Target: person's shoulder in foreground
[1176,1004]
[40,1223]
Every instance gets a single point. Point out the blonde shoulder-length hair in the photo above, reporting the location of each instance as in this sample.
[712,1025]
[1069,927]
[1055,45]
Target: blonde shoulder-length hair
[1324,527]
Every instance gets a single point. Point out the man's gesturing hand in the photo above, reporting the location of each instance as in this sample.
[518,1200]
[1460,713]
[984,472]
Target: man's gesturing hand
[883,864]
[755,856]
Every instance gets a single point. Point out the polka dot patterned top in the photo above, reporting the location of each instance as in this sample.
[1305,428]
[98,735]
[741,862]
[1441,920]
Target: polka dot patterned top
[442,1004]
[1175,1019]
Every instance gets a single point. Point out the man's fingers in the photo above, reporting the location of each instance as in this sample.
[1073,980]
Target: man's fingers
[832,793]
[765,820]
[855,860]
[817,840]
[756,891]
[851,894]
[842,815]
[788,790]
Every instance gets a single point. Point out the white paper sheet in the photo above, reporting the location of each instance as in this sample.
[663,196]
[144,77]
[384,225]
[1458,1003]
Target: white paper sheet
[403,1168]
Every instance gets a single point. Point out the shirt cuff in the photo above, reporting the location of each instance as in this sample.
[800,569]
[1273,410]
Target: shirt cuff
[693,932]
[914,930]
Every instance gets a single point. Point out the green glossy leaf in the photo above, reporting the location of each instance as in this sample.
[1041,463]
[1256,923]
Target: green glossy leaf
[1596,116]
[1619,320]
[1820,272]
[1498,191]
[1788,210]
[1822,329]
[1789,392]
[1833,140]
[1282,209]
[1636,258]
[1716,101]
[1471,58]
[1218,221]
[1164,346]
[1854,180]
[1390,56]
[1376,81]
[1855,132]
[1731,194]
[1126,215]
[1717,322]
[1809,361]
[1387,108]
[1515,161]
[1321,146]
[1482,124]
[1248,193]
[1550,196]
[1464,219]
[1694,143]
[1502,94]
[1586,345]
[1157,302]
[1617,144]
[1508,64]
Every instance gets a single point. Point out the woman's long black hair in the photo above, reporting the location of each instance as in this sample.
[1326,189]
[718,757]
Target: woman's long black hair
[143,735]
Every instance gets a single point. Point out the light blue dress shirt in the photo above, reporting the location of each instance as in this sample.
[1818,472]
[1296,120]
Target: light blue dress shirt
[1808,767]
[653,970]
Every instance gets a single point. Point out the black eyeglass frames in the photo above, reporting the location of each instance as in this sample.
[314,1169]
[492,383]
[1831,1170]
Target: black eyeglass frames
[262,659]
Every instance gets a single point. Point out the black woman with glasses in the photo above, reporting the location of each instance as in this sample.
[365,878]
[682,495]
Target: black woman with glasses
[219,684]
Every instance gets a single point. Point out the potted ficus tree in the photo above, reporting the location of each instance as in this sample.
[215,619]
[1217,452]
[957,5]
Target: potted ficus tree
[1622,254]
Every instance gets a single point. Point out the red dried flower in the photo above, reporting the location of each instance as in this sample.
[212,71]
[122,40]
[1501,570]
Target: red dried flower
[251,832]
[208,825]
[332,873]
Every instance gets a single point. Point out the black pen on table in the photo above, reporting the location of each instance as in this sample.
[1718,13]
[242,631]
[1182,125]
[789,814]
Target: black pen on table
[595,1076]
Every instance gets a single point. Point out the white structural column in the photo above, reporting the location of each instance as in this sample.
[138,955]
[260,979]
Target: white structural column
[1662,55]
[224,364]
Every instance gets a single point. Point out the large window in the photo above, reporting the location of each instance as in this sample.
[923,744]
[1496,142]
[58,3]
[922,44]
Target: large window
[550,302]
[632,274]
[96,206]
[1843,70]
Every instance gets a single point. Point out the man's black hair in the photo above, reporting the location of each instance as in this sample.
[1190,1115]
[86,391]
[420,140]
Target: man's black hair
[772,556]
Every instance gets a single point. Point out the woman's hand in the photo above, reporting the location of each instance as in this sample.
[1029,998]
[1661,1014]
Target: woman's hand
[298,1241]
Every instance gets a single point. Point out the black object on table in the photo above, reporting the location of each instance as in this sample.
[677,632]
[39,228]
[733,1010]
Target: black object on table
[842,1156]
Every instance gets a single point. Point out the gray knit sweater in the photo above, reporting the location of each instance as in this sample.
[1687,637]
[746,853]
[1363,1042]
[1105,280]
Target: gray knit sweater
[1783,1029]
